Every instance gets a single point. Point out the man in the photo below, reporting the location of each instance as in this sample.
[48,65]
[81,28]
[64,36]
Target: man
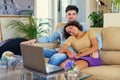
[55,57]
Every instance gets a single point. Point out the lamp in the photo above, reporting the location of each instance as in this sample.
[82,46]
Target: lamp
[101,3]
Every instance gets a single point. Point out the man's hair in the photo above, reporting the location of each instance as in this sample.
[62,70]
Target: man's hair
[73,23]
[71,7]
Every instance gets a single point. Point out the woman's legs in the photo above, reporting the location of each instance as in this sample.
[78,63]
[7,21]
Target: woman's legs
[81,64]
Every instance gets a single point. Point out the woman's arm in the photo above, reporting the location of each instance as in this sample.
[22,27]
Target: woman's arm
[64,48]
[69,53]
[93,49]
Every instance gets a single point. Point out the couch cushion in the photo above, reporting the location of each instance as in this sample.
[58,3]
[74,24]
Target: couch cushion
[111,38]
[110,57]
[104,72]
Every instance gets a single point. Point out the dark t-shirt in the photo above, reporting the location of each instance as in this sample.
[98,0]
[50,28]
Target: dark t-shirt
[12,44]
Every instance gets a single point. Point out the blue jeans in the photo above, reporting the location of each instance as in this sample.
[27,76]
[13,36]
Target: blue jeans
[55,57]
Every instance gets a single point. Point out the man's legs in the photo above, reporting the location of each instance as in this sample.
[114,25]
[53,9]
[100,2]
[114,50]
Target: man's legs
[48,53]
[57,59]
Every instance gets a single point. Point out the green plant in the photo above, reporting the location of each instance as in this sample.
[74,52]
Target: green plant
[44,27]
[96,18]
[33,28]
[116,4]
[29,29]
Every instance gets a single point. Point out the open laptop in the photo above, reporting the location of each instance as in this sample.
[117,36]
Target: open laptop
[33,58]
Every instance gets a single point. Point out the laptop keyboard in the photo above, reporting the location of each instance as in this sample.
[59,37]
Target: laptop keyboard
[51,68]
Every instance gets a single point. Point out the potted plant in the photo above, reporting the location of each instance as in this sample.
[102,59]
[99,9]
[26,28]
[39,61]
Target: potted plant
[96,18]
[29,29]
[44,27]
[32,29]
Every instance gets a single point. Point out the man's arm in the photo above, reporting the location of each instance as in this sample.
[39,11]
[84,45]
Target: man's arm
[99,38]
[85,28]
[52,38]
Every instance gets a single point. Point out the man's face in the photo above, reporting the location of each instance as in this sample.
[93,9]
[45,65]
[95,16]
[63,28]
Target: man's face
[71,15]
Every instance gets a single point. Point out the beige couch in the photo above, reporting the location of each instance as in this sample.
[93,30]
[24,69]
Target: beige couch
[110,55]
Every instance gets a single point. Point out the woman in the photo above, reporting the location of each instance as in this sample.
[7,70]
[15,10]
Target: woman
[85,44]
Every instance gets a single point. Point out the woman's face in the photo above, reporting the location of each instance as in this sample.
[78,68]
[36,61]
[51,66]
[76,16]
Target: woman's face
[72,30]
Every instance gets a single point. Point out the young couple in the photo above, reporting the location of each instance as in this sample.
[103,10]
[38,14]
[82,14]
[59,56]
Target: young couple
[76,43]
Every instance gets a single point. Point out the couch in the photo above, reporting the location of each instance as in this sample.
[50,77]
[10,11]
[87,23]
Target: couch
[110,54]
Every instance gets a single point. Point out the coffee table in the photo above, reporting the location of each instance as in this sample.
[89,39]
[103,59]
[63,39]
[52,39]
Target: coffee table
[62,75]
[26,74]
[18,72]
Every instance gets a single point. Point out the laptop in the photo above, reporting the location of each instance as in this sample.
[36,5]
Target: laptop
[33,58]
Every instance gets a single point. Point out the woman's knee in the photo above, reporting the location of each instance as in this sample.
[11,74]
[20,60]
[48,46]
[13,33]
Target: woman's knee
[63,63]
[82,64]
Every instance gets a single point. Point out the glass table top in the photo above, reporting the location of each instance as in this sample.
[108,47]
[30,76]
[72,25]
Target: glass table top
[18,72]
[25,74]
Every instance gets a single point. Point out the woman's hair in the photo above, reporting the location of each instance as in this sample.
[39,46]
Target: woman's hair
[73,23]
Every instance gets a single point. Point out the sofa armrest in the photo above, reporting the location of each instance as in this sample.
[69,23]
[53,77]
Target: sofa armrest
[47,45]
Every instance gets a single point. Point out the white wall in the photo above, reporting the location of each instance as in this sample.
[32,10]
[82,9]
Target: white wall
[42,8]
[91,6]
[111,19]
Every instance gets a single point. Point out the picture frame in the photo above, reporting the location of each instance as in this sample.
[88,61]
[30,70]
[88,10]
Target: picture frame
[16,7]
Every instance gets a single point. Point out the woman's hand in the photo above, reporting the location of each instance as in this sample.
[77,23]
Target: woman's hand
[32,41]
[63,49]
[77,56]
[70,54]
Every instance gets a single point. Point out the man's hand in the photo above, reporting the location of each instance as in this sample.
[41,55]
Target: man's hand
[29,42]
